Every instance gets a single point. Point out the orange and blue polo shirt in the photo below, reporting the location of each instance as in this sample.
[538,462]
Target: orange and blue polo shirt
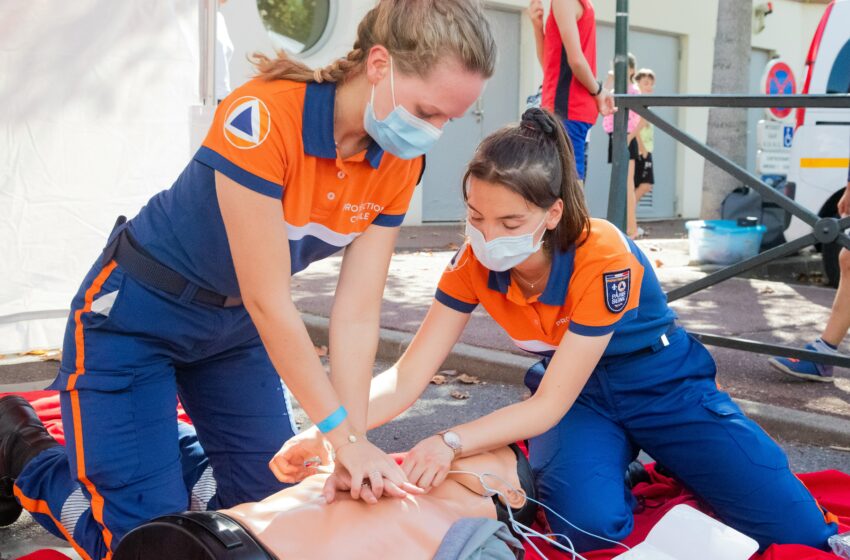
[276,138]
[603,285]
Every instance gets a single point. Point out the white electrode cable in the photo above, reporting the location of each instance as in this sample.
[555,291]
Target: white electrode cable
[527,532]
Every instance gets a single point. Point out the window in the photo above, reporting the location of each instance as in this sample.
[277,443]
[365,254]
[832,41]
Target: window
[839,77]
[295,26]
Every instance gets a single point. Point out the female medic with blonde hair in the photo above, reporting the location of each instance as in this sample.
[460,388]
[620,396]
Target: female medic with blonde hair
[191,298]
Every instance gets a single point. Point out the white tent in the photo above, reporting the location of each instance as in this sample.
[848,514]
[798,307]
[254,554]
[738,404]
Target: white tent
[102,103]
[96,99]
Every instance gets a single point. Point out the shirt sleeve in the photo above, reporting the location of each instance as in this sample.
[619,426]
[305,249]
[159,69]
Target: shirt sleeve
[246,142]
[393,214]
[611,295]
[455,288]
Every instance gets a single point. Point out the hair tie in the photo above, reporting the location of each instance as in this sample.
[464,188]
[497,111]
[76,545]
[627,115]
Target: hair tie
[537,119]
[317,75]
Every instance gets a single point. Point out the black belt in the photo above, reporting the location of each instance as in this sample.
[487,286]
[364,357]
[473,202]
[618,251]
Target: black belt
[143,267]
[660,343]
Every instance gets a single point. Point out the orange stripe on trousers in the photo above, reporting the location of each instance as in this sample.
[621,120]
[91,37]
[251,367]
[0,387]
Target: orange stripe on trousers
[78,323]
[97,501]
[40,506]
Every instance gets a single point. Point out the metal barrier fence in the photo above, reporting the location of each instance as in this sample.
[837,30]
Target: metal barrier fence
[824,230]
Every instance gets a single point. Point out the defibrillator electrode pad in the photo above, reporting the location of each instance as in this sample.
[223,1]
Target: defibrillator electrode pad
[685,533]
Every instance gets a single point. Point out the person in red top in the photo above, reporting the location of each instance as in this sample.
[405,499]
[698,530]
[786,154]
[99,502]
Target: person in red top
[192,297]
[566,49]
[617,373]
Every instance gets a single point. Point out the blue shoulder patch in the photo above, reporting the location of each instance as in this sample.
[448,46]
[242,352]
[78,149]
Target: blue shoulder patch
[617,286]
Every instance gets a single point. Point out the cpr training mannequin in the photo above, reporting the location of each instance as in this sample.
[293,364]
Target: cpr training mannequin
[297,523]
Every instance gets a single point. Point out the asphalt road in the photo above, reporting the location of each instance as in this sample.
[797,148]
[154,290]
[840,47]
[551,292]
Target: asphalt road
[436,410]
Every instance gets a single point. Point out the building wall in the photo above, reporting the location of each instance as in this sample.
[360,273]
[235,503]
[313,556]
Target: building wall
[788,32]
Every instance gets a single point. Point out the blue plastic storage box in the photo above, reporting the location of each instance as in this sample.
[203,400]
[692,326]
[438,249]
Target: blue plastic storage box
[722,241]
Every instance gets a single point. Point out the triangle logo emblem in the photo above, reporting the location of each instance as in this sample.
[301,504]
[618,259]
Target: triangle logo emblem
[247,123]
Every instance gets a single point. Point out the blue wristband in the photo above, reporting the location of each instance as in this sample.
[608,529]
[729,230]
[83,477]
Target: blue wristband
[333,420]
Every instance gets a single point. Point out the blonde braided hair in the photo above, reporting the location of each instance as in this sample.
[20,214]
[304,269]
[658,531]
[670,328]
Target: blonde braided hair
[417,33]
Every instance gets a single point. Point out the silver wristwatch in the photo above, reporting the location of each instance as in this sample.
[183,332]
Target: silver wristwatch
[452,440]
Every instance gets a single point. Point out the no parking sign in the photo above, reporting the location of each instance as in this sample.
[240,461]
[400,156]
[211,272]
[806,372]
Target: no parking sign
[778,79]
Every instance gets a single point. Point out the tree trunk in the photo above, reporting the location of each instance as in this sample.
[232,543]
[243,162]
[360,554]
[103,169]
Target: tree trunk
[727,128]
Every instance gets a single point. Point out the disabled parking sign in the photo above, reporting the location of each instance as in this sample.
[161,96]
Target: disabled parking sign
[778,79]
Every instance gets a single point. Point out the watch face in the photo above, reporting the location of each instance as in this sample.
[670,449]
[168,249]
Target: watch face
[452,440]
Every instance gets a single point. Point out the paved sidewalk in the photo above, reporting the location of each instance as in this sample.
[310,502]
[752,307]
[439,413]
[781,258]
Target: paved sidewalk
[748,308]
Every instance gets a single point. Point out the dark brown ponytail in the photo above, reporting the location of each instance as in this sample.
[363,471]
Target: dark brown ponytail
[535,159]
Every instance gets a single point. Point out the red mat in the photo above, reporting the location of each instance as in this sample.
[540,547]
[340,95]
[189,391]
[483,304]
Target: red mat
[830,488]
[44,555]
[46,405]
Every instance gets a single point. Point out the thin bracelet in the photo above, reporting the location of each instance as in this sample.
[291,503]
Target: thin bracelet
[333,420]
[351,439]
[598,91]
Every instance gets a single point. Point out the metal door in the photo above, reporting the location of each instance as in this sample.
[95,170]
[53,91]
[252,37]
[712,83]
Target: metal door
[498,105]
[660,53]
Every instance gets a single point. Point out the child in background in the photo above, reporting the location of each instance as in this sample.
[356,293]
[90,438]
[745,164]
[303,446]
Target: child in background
[644,177]
[632,229]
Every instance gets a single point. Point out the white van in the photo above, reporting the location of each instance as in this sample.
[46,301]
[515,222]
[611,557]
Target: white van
[820,152]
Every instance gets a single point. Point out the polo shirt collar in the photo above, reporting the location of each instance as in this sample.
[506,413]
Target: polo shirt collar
[499,281]
[318,125]
[555,292]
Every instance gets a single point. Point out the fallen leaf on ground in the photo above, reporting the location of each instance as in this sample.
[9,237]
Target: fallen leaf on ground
[460,395]
[35,353]
[659,263]
[453,246]
[321,351]
[468,379]
[438,379]
[767,290]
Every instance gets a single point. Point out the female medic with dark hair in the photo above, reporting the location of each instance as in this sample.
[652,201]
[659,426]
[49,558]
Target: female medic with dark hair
[616,375]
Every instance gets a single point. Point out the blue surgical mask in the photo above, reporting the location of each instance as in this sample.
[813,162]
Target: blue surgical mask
[503,253]
[402,134]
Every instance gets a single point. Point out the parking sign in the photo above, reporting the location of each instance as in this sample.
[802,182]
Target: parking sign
[778,79]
